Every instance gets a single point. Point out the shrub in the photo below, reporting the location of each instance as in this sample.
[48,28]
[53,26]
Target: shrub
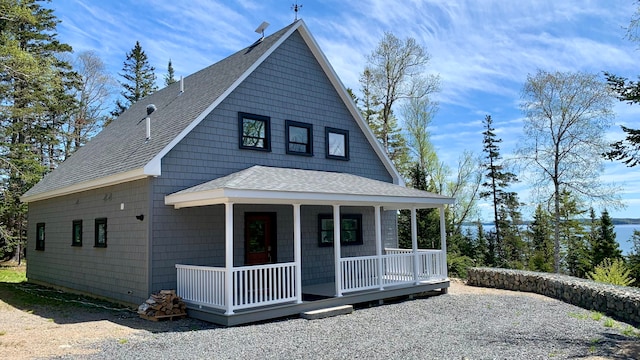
[612,272]
[458,265]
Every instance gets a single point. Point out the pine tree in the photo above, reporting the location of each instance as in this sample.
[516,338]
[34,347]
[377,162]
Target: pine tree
[480,247]
[541,241]
[606,247]
[573,236]
[139,79]
[34,84]
[169,77]
[633,259]
[497,180]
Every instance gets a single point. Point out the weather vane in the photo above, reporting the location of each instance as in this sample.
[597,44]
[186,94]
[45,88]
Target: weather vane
[295,7]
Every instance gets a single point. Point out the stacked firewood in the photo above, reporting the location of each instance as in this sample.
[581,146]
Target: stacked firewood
[163,304]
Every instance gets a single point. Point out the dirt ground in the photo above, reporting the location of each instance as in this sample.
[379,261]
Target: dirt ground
[38,333]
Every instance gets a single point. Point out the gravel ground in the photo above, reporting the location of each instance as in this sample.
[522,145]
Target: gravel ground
[465,324]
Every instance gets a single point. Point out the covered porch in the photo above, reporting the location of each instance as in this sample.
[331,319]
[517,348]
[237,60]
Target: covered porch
[236,294]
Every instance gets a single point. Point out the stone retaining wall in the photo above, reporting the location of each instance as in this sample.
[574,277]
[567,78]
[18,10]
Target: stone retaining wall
[620,302]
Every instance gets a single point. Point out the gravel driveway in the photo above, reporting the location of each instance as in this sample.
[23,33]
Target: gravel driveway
[467,323]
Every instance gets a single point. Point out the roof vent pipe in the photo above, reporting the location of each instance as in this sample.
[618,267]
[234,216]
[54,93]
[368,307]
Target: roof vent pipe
[181,84]
[150,108]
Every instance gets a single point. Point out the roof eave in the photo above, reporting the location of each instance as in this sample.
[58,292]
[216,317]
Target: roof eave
[115,179]
[241,196]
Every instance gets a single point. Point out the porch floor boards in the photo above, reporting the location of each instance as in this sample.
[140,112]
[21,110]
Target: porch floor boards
[324,297]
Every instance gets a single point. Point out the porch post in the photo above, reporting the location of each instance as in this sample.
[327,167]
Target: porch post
[443,242]
[378,221]
[297,239]
[228,255]
[336,248]
[414,243]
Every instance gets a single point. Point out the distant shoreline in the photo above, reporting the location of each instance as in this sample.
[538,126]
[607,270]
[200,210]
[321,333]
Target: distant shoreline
[615,221]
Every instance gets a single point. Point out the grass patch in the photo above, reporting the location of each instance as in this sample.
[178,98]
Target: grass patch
[597,316]
[3,333]
[581,316]
[123,341]
[609,322]
[629,331]
[12,273]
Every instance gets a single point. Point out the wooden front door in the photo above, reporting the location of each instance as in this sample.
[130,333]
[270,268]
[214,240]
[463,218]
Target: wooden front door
[259,238]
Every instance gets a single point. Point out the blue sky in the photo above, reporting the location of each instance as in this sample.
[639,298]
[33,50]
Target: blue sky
[483,51]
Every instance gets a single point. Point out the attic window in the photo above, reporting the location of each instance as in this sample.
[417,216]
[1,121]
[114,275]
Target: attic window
[299,138]
[255,132]
[337,143]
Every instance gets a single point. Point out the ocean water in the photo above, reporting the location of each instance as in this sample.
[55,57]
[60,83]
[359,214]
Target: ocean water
[623,235]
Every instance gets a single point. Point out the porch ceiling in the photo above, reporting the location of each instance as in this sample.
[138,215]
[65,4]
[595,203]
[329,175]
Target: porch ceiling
[272,185]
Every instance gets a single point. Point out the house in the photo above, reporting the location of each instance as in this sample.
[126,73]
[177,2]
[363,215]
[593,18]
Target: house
[253,187]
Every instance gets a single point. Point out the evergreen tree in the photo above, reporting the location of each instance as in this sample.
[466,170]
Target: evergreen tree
[512,247]
[592,236]
[139,79]
[497,180]
[572,235]
[541,241]
[34,84]
[606,247]
[633,259]
[481,247]
[428,222]
[169,77]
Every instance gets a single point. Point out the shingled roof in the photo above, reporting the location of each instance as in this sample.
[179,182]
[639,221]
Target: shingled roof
[285,186]
[121,153]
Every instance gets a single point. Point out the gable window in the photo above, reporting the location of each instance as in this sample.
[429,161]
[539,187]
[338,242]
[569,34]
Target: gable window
[299,137]
[350,229]
[76,233]
[101,232]
[255,132]
[40,236]
[337,143]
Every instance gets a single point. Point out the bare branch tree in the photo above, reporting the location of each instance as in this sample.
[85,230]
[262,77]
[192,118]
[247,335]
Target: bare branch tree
[566,118]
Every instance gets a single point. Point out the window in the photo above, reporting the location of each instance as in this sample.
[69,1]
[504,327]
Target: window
[76,233]
[255,132]
[299,138]
[101,232]
[337,144]
[350,229]
[40,236]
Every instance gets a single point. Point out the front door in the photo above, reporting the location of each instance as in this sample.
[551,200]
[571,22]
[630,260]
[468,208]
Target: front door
[259,238]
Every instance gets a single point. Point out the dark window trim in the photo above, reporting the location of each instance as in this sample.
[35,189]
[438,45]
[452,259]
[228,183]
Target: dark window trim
[267,131]
[309,143]
[40,240]
[358,234]
[345,133]
[74,241]
[99,222]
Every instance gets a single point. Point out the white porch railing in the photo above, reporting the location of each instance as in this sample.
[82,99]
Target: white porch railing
[262,285]
[361,273]
[253,286]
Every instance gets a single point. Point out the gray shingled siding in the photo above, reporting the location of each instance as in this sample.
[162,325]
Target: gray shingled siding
[118,271]
[289,85]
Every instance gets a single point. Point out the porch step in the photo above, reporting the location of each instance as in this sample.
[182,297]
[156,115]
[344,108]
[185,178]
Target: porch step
[328,312]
